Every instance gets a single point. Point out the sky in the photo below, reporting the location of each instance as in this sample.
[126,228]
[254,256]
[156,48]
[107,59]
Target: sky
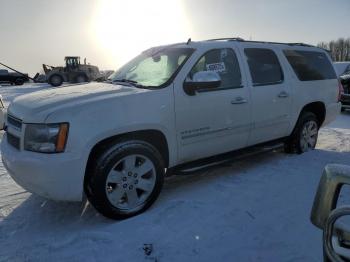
[111,32]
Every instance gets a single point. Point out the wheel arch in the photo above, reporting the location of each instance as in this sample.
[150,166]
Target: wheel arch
[318,108]
[152,136]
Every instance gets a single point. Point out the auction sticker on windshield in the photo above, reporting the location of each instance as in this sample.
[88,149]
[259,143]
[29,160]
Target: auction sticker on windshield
[216,67]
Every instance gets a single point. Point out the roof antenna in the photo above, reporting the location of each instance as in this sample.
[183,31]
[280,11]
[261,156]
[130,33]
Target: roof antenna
[188,41]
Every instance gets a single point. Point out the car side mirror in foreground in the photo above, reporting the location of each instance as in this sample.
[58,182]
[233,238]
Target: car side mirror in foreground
[333,178]
[325,215]
[201,81]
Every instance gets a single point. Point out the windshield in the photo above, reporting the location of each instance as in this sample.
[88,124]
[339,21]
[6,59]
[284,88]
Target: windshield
[154,67]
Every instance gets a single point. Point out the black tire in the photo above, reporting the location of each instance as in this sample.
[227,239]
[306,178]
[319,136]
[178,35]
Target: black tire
[96,184]
[294,143]
[19,82]
[81,78]
[55,80]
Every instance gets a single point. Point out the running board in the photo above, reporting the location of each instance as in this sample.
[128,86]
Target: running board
[221,159]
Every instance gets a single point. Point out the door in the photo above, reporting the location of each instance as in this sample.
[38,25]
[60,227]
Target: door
[270,93]
[213,120]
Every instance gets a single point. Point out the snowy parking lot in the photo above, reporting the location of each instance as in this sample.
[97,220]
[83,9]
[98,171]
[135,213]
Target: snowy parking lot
[254,209]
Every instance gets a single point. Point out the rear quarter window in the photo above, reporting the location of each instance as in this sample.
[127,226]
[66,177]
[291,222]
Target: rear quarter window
[310,65]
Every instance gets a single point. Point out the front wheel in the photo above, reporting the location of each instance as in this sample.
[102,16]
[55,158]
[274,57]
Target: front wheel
[126,179]
[55,80]
[305,134]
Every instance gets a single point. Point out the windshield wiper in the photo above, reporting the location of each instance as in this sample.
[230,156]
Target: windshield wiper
[129,81]
[126,81]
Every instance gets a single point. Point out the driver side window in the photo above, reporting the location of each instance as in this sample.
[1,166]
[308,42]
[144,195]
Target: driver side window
[222,61]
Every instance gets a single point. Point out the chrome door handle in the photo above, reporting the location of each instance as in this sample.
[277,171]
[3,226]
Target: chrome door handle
[283,94]
[239,100]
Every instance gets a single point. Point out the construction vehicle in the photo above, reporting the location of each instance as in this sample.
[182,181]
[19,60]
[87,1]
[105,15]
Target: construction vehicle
[72,72]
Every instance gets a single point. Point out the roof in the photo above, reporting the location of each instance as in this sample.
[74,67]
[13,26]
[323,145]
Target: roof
[212,42]
[238,39]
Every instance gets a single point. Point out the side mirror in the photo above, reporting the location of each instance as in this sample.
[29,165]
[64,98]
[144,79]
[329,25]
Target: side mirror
[202,80]
[333,178]
[325,215]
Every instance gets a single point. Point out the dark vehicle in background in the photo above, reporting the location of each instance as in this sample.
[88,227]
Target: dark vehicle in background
[345,96]
[12,78]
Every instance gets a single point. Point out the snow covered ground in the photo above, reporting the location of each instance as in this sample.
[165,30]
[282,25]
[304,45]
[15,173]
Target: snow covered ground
[255,209]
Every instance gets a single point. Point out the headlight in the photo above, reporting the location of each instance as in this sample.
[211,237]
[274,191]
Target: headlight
[44,138]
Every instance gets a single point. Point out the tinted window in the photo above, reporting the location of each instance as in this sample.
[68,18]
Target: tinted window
[222,61]
[310,65]
[264,66]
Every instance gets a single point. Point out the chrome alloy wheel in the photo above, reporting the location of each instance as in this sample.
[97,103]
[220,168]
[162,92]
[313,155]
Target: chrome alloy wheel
[308,138]
[130,182]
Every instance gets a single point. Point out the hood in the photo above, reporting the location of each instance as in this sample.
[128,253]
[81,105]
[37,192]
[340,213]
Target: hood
[36,106]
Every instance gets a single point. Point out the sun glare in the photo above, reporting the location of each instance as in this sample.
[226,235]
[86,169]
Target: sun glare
[125,28]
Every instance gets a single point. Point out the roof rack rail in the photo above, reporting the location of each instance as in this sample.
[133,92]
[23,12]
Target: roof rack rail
[300,44]
[263,42]
[280,43]
[227,39]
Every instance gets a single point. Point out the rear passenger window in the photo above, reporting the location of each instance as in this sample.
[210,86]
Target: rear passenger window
[264,66]
[310,65]
[222,61]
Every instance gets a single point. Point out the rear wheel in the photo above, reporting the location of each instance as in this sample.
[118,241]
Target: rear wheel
[305,134]
[125,180]
[55,80]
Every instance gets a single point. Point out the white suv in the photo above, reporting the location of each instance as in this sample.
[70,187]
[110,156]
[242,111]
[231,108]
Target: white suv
[168,106]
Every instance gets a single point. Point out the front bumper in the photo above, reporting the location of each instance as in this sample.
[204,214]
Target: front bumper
[53,176]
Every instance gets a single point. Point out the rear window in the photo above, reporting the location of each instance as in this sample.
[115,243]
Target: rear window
[310,65]
[264,66]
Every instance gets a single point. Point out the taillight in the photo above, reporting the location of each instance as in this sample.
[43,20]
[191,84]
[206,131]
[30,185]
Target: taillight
[341,90]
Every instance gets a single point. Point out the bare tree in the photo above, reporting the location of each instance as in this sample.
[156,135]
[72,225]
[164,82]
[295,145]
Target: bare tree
[339,49]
